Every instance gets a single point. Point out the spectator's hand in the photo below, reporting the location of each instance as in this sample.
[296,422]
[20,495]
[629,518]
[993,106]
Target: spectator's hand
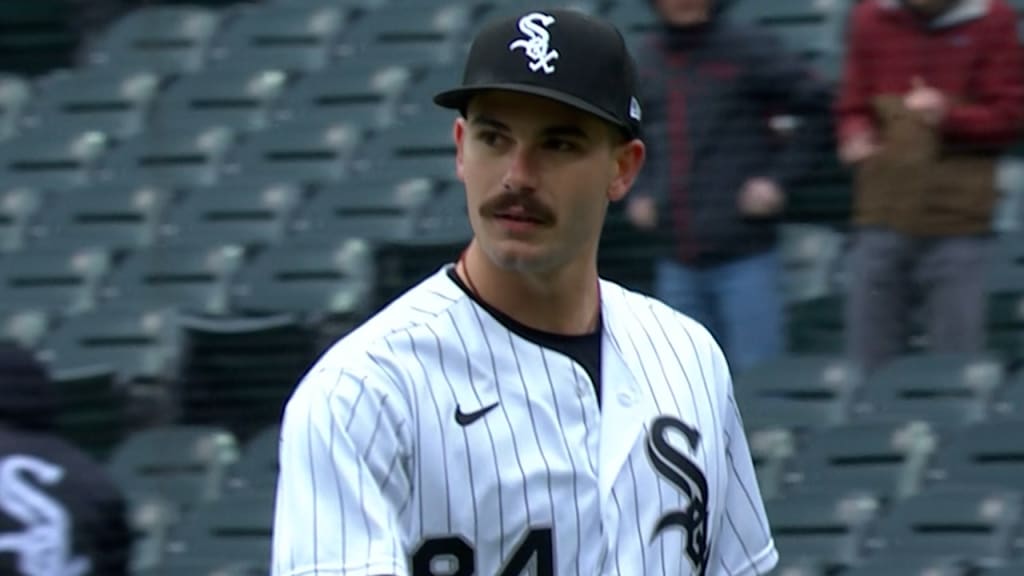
[926,101]
[857,149]
[642,212]
[761,197]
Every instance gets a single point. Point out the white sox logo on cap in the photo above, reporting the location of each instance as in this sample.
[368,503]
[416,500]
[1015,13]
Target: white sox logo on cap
[536,45]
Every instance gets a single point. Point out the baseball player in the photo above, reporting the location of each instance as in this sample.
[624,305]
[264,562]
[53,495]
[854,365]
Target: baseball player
[513,413]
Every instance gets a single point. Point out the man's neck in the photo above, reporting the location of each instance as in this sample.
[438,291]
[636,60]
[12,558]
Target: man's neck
[566,302]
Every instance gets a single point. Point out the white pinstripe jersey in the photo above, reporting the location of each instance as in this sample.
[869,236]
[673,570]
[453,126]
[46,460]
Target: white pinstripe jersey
[379,477]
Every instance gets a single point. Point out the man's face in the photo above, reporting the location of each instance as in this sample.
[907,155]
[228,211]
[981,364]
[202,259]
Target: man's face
[539,175]
[685,12]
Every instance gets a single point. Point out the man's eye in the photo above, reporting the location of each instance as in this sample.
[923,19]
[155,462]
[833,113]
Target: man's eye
[490,138]
[560,145]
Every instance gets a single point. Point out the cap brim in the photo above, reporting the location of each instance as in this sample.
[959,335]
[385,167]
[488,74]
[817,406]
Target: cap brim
[458,99]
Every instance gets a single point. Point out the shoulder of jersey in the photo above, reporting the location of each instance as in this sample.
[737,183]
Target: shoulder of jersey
[646,309]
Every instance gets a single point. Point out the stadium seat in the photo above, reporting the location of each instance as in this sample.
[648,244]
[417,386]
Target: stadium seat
[418,98]
[19,207]
[243,211]
[816,326]
[27,326]
[365,95]
[797,391]
[54,158]
[185,567]
[419,146]
[937,388]
[114,102]
[151,518]
[166,40]
[1013,568]
[810,256]
[976,523]
[385,210]
[137,341]
[186,156]
[789,566]
[186,465]
[59,280]
[115,216]
[828,524]
[810,28]
[258,466]
[295,38]
[409,33]
[194,277]
[238,372]
[989,453]
[1008,403]
[235,528]
[901,566]
[307,153]
[240,97]
[15,95]
[634,19]
[887,459]
[771,451]
[320,277]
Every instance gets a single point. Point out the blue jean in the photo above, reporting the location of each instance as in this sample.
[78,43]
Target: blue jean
[739,302]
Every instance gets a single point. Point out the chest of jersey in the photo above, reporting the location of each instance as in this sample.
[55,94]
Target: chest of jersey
[521,470]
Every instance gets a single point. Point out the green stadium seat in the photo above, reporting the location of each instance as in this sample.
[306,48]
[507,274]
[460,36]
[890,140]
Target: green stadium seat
[976,523]
[364,94]
[431,31]
[986,454]
[249,212]
[923,566]
[166,40]
[306,152]
[234,529]
[258,467]
[53,158]
[93,408]
[177,155]
[185,465]
[828,524]
[817,326]
[19,208]
[797,392]
[152,518]
[801,566]
[938,388]
[386,209]
[240,97]
[116,216]
[15,95]
[58,280]
[889,460]
[319,277]
[36,36]
[420,146]
[294,38]
[114,102]
[194,276]
[27,326]
[810,256]
[138,342]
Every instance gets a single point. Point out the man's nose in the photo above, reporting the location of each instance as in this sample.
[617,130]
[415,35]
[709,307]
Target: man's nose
[521,172]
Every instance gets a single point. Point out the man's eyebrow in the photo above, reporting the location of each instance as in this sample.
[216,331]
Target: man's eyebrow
[570,130]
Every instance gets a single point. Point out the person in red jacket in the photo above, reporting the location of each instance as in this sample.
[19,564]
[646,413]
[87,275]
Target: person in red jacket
[932,93]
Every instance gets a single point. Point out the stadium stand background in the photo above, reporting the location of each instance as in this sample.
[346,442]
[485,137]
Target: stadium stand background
[196,198]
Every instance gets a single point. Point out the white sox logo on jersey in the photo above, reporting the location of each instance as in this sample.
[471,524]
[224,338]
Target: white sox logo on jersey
[43,548]
[536,44]
[678,469]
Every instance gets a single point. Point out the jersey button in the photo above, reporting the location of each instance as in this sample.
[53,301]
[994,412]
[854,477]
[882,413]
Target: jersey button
[625,398]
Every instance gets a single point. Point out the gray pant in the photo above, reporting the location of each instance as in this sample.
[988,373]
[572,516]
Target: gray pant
[892,274]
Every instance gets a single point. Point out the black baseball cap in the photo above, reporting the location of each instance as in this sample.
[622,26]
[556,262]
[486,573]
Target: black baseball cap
[562,54]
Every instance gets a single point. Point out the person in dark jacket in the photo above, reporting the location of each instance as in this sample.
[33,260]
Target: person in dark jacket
[932,93]
[717,173]
[60,515]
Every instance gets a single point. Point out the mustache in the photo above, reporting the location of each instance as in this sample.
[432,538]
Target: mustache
[530,206]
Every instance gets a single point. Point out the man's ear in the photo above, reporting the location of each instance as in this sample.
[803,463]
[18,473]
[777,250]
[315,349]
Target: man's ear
[628,160]
[459,135]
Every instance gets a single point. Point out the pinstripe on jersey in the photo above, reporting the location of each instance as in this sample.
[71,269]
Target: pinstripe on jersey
[378,477]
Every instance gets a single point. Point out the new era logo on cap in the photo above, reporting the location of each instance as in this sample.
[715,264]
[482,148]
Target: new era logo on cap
[561,54]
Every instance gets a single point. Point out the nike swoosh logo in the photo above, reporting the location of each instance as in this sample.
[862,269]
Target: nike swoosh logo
[467,418]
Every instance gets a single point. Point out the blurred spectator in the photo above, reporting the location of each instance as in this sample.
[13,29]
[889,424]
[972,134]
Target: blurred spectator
[59,513]
[717,174]
[933,91]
